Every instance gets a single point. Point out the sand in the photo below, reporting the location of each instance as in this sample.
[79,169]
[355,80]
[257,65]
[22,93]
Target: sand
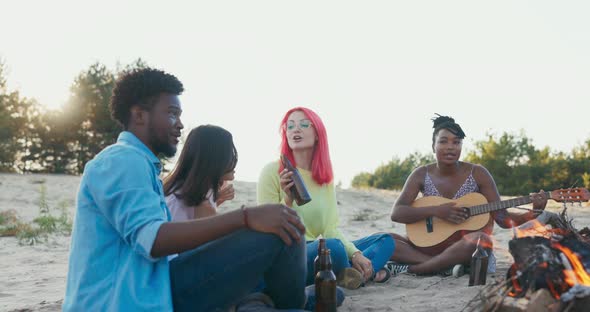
[32,278]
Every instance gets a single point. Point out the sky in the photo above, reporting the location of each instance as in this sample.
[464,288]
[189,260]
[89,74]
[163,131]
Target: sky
[375,71]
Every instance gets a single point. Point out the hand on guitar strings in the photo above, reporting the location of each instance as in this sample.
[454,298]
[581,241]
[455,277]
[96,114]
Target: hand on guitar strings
[452,213]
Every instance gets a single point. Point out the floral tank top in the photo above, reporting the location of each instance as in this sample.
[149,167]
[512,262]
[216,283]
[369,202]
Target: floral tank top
[469,186]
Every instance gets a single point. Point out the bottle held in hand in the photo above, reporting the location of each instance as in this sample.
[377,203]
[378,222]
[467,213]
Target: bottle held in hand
[298,190]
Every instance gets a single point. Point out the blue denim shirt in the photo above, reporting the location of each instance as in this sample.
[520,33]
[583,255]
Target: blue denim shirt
[120,208]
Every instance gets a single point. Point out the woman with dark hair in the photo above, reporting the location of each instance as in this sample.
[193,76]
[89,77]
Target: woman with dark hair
[304,142]
[452,179]
[197,185]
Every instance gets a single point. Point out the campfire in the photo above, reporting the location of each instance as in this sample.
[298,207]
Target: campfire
[553,259]
[551,269]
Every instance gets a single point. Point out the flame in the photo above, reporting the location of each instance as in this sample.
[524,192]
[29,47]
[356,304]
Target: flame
[544,265]
[516,289]
[486,241]
[554,292]
[532,228]
[487,244]
[574,272]
[577,274]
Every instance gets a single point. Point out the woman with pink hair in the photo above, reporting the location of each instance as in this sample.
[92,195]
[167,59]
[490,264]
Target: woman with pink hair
[304,142]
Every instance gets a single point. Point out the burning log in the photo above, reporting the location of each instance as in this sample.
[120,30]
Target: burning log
[557,260]
[539,301]
[542,300]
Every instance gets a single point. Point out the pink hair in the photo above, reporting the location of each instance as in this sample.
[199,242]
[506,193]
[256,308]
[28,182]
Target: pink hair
[321,165]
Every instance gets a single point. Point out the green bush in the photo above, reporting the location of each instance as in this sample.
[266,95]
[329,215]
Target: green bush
[518,167]
[392,175]
[41,227]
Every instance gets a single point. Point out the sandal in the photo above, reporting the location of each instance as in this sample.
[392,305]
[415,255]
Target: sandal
[385,279]
[382,281]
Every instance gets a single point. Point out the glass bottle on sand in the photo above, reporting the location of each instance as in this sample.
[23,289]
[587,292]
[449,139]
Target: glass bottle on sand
[325,285]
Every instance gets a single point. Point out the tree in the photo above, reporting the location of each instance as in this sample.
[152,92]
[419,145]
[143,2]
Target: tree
[17,123]
[27,117]
[393,174]
[580,164]
[63,140]
[7,132]
[507,160]
[56,154]
[88,115]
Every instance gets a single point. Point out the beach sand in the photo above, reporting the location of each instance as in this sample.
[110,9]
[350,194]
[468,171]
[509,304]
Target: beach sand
[32,278]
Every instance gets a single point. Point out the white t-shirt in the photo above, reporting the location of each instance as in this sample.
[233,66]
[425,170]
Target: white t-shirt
[179,211]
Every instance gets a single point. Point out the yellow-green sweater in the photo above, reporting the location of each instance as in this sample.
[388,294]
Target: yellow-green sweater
[320,215]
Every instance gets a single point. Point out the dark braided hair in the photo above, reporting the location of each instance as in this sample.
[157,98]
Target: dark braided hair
[446,122]
[140,87]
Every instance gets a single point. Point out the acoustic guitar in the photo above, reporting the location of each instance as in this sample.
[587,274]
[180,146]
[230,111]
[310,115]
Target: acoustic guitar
[433,231]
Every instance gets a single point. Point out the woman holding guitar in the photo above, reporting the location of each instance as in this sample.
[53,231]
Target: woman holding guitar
[449,179]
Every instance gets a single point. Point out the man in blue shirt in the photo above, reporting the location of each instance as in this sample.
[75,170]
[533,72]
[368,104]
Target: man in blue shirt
[123,233]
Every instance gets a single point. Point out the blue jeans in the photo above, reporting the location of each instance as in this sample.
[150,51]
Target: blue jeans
[216,275]
[378,248]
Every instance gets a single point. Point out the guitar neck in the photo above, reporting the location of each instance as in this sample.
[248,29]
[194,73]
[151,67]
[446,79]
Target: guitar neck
[490,207]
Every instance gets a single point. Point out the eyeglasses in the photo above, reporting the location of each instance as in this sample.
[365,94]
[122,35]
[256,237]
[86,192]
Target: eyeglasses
[303,124]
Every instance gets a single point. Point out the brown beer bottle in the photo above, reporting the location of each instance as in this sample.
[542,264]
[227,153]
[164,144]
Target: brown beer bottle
[316,261]
[298,190]
[325,285]
[479,266]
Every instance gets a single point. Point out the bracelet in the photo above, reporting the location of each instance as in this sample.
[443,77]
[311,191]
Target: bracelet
[245,214]
[356,253]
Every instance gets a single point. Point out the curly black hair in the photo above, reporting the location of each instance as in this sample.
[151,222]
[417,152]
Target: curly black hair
[446,122]
[140,87]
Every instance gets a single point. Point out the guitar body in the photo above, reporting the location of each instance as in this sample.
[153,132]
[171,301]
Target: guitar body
[428,234]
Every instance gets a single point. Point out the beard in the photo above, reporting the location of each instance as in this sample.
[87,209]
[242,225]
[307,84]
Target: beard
[161,146]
